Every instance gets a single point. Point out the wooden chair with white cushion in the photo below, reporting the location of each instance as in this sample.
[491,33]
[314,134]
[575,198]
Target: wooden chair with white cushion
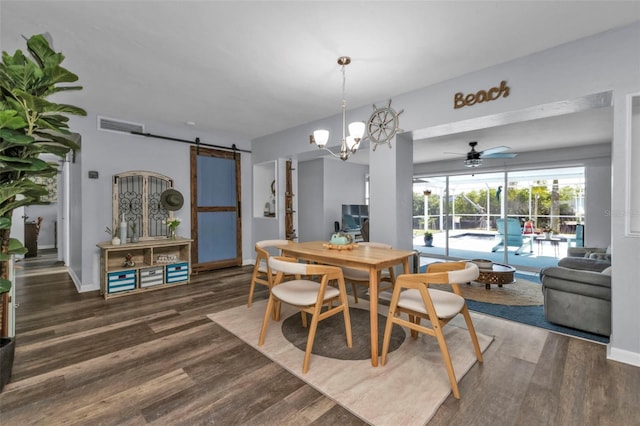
[307,296]
[261,273]
[438,306]
[360,277]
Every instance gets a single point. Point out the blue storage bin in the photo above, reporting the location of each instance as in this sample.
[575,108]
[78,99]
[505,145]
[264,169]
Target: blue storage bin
[121,281]
[177,272]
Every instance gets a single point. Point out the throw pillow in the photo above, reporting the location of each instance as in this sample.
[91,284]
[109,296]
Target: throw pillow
[607,271]
[587,253]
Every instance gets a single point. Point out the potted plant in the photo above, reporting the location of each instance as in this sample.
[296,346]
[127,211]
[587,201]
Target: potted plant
[30,125]
[428,239]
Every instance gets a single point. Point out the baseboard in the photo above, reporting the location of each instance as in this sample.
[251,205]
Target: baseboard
[620,355]
[82,288]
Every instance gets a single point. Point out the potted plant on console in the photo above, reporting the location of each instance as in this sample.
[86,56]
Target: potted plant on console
[30,125]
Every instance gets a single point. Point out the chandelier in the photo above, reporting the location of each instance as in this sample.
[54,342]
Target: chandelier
[350,143]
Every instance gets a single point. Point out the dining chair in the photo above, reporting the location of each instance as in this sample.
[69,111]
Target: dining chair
[307,296]
[438,306]
[360,277]
[261,272]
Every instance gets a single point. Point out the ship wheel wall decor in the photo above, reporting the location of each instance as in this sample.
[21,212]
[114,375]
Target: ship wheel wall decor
[383,125]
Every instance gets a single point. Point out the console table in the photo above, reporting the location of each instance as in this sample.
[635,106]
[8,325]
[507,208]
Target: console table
[155,264]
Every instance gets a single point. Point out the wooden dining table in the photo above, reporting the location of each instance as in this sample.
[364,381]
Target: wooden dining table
[371,259]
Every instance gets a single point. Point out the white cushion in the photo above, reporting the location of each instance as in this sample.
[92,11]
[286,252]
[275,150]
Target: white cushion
[447,304]
[302,292]
[607,271]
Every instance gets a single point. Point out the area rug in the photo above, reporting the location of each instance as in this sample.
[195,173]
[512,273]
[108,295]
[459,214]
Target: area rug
[413,384]
[330,335]
[521,293]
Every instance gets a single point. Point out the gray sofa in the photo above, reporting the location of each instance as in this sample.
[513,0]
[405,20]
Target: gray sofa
[577,294]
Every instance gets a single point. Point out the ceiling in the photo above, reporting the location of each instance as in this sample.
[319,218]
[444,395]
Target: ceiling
[253,68]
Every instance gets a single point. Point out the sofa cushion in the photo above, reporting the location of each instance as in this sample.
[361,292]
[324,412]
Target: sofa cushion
[607,271]
[584,264]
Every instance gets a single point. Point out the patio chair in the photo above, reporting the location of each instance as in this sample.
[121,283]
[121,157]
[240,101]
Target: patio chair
[514,236]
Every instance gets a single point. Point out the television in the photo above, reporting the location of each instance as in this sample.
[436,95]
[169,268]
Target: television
[353,216]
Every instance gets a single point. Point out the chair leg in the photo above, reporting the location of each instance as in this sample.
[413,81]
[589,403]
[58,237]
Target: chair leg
[395,296]
[354,287]
[252,287]
[472,332]
[345,312]
[310,339]
[415,320]
[277,308]
[265,321]
[446,357]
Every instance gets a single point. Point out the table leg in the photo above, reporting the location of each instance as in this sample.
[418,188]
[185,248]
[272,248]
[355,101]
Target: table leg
[373,314]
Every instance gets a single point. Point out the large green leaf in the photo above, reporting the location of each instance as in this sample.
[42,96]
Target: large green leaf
[58,150]
[41,51]
[10,120]
[25,187]
[16,137]
[16,247]
[5,223]
[58,138]
[23,164]
[5,285]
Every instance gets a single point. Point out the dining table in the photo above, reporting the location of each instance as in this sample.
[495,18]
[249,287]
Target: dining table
[367,258]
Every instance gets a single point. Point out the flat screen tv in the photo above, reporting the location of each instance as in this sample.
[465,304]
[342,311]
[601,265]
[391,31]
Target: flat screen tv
[353,216]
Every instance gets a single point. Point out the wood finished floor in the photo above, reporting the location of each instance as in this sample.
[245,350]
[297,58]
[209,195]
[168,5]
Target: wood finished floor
[155,358]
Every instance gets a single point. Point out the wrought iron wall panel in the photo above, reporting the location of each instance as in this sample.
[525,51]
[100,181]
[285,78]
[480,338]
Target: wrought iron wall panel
[157,213]
[130,190]
[136,196]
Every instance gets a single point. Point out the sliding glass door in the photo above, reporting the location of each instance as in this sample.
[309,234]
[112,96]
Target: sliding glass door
[500,216]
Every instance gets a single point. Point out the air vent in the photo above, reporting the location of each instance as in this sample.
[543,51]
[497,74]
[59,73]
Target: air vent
[113,125]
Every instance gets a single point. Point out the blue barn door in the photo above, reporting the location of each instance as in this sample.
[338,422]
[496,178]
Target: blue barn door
[216,227]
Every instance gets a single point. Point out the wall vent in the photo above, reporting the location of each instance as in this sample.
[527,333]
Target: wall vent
[120,126]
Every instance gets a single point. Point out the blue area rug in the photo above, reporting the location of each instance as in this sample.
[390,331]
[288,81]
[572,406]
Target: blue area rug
[531,315]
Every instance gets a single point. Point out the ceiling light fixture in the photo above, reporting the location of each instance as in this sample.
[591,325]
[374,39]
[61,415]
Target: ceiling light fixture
[473,162]
[350,143]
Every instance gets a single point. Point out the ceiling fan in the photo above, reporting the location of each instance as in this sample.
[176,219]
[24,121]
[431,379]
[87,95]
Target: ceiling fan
[474,158]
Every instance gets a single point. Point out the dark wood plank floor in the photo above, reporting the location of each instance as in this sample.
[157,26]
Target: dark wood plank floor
[155,358]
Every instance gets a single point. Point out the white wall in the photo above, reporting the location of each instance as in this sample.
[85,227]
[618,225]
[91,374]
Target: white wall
[324,186]
[110,153]
[605,62]
[344,183]
[310,200]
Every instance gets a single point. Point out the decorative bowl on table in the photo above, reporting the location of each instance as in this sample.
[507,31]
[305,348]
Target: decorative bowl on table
[341,241]
[483,263]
